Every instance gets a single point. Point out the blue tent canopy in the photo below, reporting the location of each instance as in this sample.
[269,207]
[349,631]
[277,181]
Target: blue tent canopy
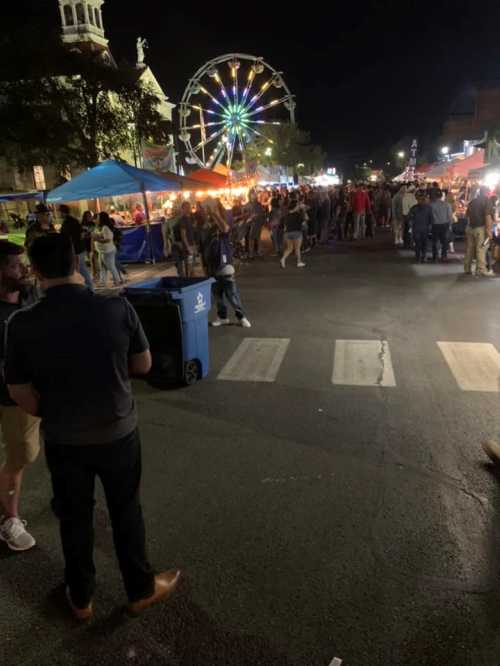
[108,179]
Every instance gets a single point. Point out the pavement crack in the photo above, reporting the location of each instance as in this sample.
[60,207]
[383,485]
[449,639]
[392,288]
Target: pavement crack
[382,356]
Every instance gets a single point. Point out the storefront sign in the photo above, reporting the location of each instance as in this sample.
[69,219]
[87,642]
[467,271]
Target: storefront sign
[39,178]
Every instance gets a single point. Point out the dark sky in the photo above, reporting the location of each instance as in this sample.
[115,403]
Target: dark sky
[364,74]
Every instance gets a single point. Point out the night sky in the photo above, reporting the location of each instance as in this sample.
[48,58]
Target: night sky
[364,74]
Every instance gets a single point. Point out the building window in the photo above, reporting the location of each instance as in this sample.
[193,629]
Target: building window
[68,15]
[91,14]
[97,18]
[80,14]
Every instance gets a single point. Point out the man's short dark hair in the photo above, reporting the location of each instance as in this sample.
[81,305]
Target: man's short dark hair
[64,209]
[8,249]
[53,256]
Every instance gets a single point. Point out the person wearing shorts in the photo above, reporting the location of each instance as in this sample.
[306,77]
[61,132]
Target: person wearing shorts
[294,219]
[20,431]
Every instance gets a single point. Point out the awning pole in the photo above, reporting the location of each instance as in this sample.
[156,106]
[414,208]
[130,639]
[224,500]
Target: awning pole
[148,225]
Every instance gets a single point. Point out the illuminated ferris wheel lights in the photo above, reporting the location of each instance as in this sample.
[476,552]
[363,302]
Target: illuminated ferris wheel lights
[236,110]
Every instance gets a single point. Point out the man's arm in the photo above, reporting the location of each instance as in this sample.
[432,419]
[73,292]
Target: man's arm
[222,224]
[450,214]
[139,356]
[18,373]
[139,364]
[489,225]
[26,397]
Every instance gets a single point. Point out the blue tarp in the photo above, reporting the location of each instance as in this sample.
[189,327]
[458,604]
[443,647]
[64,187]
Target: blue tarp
[108,179]
[135,248]
[21,196]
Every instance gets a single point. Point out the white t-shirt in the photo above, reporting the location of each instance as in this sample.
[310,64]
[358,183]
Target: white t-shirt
[107,245]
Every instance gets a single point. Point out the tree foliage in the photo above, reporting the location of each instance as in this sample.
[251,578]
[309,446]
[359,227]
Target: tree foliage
[286,145]
[75,109]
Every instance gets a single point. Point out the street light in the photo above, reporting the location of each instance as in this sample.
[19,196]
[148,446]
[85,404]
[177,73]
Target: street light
[268,152]
[401,154]
[445,150]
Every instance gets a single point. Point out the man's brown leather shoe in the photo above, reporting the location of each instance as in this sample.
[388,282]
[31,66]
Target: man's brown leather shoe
[492,449]
[82,614]
[165,584]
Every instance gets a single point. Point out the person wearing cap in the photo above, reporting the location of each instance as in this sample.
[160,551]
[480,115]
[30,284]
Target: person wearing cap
[20,431]
[41,227]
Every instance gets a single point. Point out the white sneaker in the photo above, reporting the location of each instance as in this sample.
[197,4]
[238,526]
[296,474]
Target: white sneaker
[282,262]
[245,323]
[301,264]
[220,322]
[13,532]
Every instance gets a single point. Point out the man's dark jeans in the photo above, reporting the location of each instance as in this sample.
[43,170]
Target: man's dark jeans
[225,287]
[420,240]
[73,470]
[440,233]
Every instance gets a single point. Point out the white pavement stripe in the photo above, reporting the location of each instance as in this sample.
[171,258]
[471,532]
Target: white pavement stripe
[363,363]
[256,360]
[475,365]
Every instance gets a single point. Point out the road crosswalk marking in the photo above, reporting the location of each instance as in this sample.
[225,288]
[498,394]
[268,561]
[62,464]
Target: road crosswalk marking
[363,363]
[475,365]
[256,360]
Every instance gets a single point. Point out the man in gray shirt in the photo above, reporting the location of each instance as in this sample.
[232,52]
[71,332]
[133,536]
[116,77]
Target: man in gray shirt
[442,220]
[68,361]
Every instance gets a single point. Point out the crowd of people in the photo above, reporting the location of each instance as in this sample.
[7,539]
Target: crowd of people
[299,219]
[46,361]
[96,241]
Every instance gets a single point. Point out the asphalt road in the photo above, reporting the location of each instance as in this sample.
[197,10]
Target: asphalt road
[312,519]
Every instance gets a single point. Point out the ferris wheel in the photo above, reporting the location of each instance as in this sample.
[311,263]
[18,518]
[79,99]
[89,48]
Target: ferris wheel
[227,104]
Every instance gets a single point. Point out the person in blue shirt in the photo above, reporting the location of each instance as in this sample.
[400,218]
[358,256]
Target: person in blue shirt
[421,219]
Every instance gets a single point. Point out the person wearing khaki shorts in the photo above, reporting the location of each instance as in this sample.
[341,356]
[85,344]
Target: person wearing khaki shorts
[19,430]
[21,446]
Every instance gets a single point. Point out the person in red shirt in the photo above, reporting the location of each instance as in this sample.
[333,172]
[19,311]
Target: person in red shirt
[139,215]
[360,204]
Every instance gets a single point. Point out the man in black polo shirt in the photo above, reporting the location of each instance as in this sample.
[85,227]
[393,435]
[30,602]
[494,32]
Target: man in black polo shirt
[68,360]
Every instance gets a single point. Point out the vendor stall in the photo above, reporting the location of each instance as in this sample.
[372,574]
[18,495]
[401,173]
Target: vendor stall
[113,178]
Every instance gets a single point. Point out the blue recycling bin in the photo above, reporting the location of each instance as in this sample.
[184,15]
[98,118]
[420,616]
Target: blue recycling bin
[174,314]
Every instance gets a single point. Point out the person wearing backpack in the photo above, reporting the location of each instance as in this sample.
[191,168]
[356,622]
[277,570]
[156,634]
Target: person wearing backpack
[219,263]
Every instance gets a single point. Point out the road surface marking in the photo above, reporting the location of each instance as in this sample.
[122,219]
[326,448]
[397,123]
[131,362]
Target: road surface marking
[475,365]
[336,662]
[256,360]
[363,363]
